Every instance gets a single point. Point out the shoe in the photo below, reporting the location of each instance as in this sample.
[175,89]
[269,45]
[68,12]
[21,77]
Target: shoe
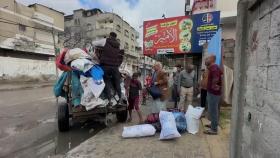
[207,126]
[210,132]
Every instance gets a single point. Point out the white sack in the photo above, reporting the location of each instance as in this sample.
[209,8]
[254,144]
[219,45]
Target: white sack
[138,131]
[168,126]
[193,118]
[88,99]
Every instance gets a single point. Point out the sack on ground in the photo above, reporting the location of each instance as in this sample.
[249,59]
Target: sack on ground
[181,122]
[138,131]
[168,126]
[193,118]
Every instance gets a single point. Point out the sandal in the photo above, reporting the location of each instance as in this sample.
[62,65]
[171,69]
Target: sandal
[210,132]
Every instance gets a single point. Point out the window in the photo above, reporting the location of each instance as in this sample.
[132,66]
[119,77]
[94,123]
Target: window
[89,27]
[132,37]
[118,28]
[77,21]
[132,48]
[126,33]
[126,46]
[22,27]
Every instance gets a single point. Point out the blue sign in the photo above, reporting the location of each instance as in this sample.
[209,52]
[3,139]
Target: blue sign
[205,26]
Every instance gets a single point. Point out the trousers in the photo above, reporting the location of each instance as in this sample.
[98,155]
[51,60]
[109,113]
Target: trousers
[112,79]
[213,109]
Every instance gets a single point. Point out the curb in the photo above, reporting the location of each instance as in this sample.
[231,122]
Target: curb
[26,87]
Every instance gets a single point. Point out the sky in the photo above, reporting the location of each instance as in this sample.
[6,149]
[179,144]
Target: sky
[132,11]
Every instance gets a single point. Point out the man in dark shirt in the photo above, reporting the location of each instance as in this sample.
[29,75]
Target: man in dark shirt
[214,91]
[110,60]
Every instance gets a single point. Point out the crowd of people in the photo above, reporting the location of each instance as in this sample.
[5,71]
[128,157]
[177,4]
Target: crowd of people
[156,84]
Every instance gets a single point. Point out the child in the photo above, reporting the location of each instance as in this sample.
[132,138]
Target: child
[134,97]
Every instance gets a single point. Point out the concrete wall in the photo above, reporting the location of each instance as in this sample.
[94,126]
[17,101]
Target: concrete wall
[256,97]
[228,52]
[20,69]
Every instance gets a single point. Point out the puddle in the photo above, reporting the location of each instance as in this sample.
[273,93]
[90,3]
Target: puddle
[57,143]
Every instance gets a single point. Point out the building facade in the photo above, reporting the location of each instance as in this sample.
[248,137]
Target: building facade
[84,26]
[28,35]
[256,111]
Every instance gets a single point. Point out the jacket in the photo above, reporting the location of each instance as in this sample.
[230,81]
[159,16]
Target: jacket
[111,55]
[162,81]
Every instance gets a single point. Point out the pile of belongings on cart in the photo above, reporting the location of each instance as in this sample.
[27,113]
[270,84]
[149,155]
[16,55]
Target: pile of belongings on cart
[169,123]
[82,72]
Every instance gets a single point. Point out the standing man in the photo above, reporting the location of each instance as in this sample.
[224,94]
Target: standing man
[159,79]
[214,91]
[185,87]
[175,94]
[110,60]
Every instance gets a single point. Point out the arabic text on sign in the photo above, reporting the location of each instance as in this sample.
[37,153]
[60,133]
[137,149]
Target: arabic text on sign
[151,31]
[207,28]
[168,24]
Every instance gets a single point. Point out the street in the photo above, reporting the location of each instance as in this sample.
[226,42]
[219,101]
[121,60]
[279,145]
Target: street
[29,128]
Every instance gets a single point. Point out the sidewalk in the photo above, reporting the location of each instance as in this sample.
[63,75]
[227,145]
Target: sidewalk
[10,86]
[109,144]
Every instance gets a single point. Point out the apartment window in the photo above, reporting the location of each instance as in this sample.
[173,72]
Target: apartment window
[89,27]
[132,37]
[22,27]
[118,28]
[126,33]
[77,21]
[126,46]
[132,48]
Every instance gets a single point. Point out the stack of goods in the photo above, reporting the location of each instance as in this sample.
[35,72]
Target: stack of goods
[86,75]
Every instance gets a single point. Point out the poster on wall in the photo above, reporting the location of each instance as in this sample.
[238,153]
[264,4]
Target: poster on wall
[177,35]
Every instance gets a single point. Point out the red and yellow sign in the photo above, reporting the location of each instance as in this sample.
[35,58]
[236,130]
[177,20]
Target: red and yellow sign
[170,35]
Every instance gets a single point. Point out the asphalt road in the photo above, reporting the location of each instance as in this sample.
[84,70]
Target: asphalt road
[28,126]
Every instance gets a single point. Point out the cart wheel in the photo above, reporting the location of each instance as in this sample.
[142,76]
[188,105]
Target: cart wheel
[121,116]
[63,117]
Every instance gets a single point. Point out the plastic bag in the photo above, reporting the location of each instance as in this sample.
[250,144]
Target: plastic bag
[96,73]
[138,131]
[181,122]
[195,112]
[168,126]
[193,118]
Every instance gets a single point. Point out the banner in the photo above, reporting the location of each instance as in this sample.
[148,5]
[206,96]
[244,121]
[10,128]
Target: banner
[205,27]
[177,35]
[170,35]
